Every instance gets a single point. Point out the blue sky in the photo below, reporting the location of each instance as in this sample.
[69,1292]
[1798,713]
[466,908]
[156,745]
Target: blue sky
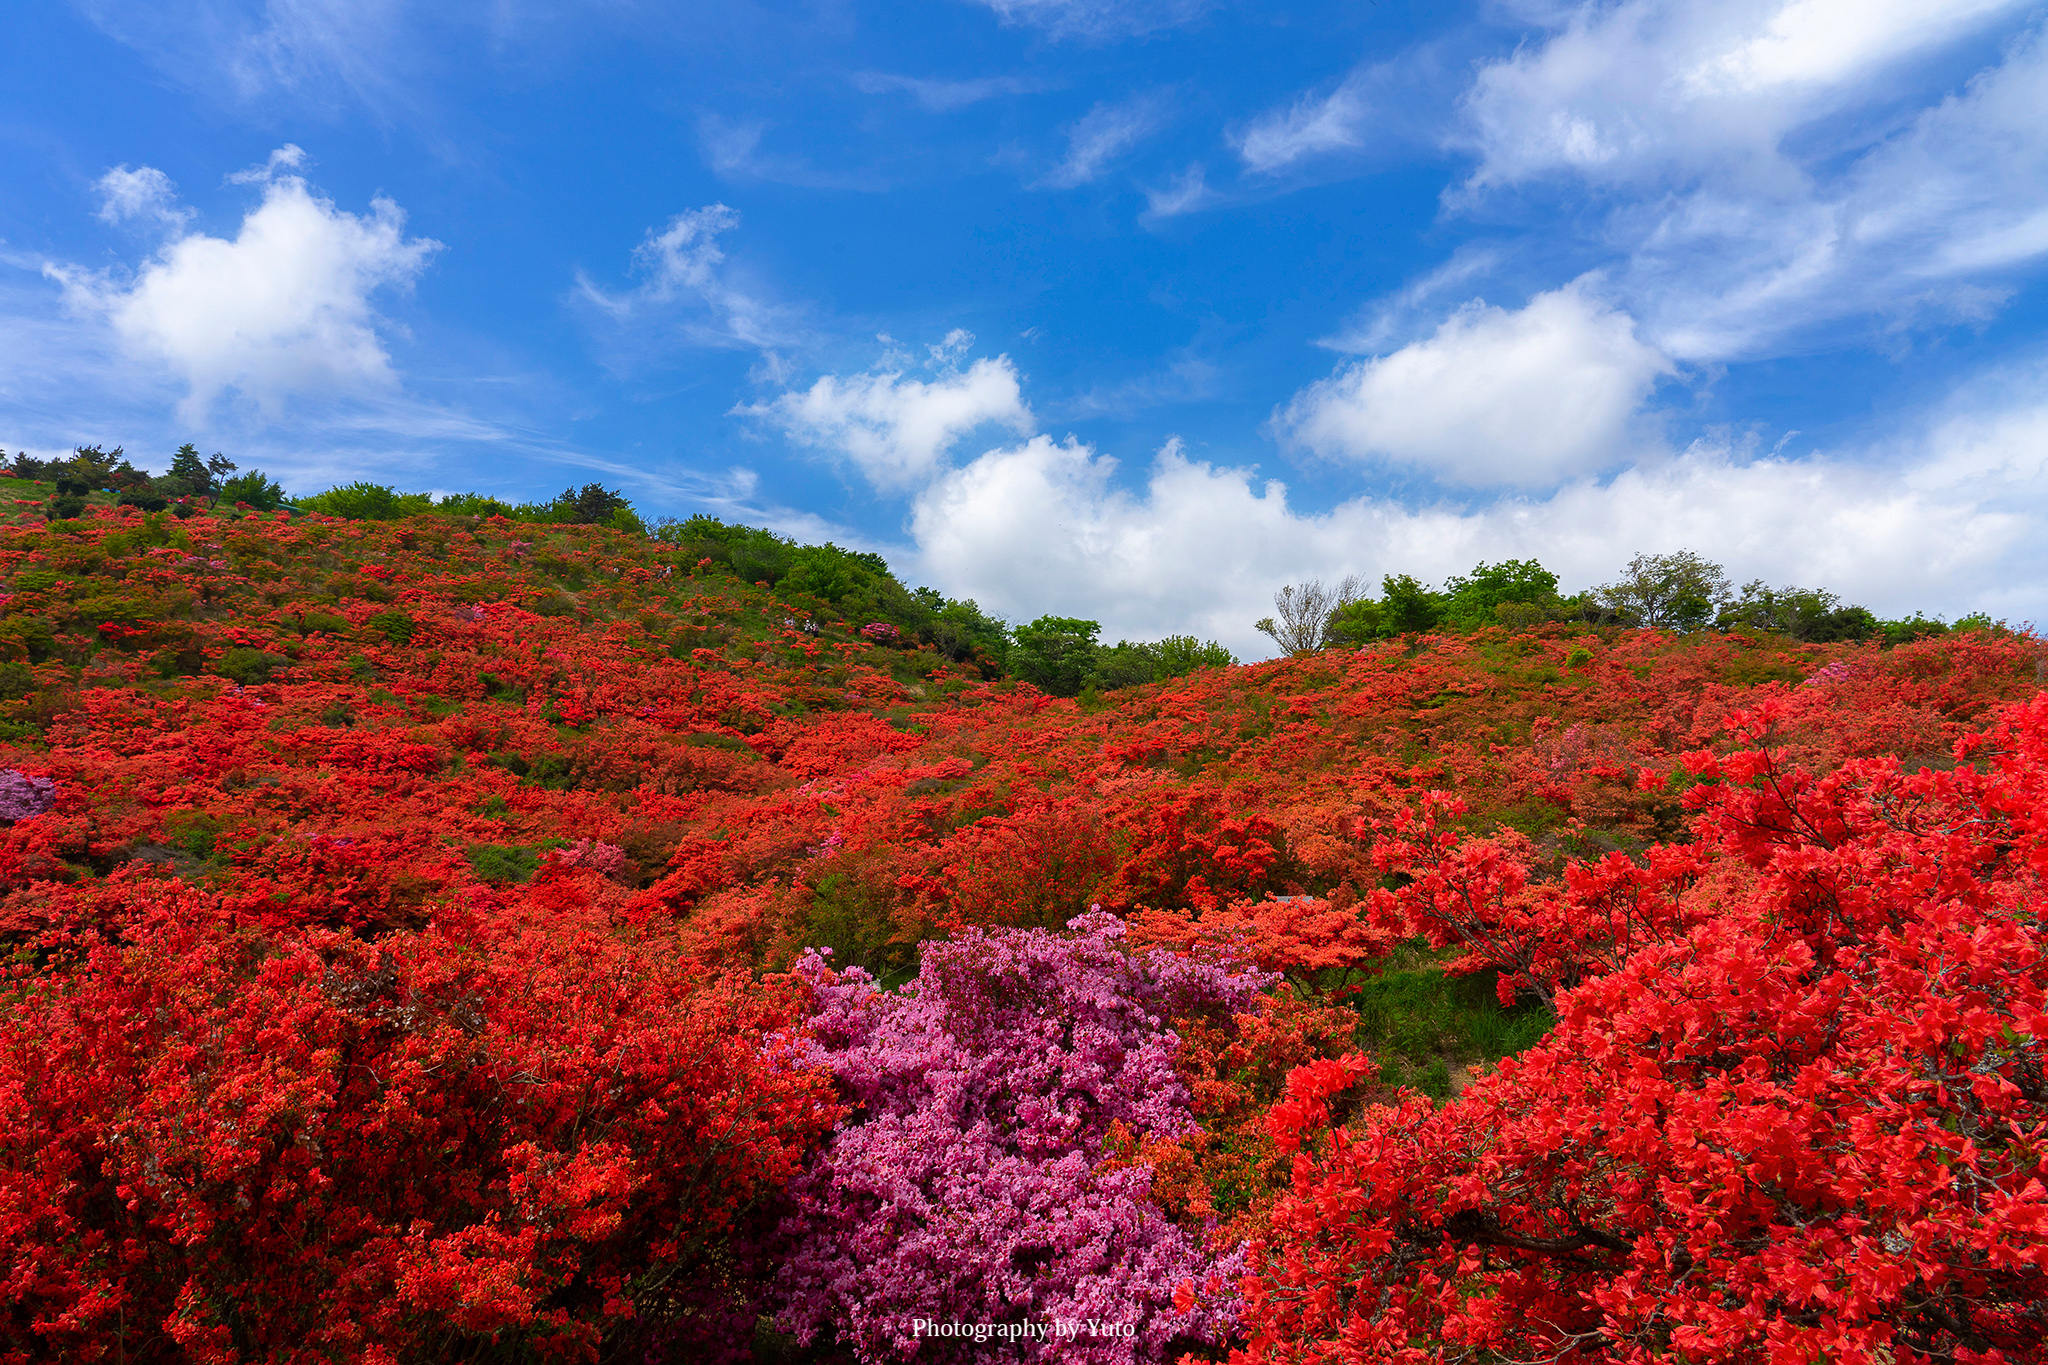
[1132,309]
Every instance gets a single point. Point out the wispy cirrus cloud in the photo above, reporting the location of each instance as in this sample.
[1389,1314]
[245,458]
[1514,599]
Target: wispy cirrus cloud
[690,294]
[1103,136]
[944,96]
[1100,20]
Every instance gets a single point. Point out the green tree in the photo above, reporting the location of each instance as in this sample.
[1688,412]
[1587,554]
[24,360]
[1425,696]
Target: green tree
[1404,607]
[1803,613]
[189,471]
[1055,654]
[259,492]
[1681,591]
[362,501]
[591,505]
[1476,598]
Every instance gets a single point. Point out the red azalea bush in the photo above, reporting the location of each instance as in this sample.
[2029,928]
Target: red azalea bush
[518,1125]
[1806,1126]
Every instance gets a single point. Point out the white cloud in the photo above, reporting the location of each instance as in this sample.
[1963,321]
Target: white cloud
[1101,137]
[144,192]
[1189,192]
[897,429]
[284,308]
[1201,548]
[367,50]
[1314,125]
[941,96]
[1371,329]
[1099,20]
[683,266]
[1493,397]
[1934,223]
[1630,90]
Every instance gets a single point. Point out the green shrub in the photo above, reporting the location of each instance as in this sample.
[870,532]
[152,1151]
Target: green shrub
[503,862]
[395,626]
[16,680]
[367,502]
[248,666]
[311,621]
[194,831]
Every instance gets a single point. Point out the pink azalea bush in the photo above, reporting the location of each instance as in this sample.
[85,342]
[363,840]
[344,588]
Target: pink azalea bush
[23,795]
[965,1186]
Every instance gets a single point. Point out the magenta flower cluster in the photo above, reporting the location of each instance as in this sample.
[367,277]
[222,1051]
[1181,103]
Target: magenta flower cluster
[608,859]
[22,795]
[965,1187]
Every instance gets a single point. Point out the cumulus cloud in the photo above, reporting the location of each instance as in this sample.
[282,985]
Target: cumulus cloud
[145,193]
[1102,136]
[1493,397]
[283,308]
[1202,547]
[895,428]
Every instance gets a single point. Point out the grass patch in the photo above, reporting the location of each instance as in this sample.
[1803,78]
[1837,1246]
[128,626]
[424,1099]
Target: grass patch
[1422,1024]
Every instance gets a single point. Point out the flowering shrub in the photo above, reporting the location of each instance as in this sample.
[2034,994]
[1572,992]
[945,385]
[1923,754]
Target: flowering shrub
[1804,1127]
[23,795]
[881,632]
[607,860]
[967,1186]
[514,1127]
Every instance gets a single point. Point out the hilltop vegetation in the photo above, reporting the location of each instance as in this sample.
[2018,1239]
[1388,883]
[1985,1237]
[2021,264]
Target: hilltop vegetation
[412,922]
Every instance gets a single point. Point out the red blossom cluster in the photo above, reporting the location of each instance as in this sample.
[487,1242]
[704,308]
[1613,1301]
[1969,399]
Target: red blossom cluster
[1797,1111]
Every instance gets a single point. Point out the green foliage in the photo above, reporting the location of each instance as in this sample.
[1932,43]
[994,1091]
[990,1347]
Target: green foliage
[1475,599]
[253,488]
[395,626]
[197,832]
[1134,663]
[189,470]
[16,681]
[503,862]
[1803,613]
[857,923]
[248,666]
[591,505]
[1680,591]
[1420,1022]
[831,574]
[311,621]
[367,502]
[1055,654]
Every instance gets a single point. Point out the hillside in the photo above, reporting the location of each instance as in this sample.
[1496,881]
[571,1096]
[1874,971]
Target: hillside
[408,916]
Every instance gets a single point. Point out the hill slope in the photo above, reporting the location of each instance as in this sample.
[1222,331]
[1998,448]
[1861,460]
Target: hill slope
[321,807]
